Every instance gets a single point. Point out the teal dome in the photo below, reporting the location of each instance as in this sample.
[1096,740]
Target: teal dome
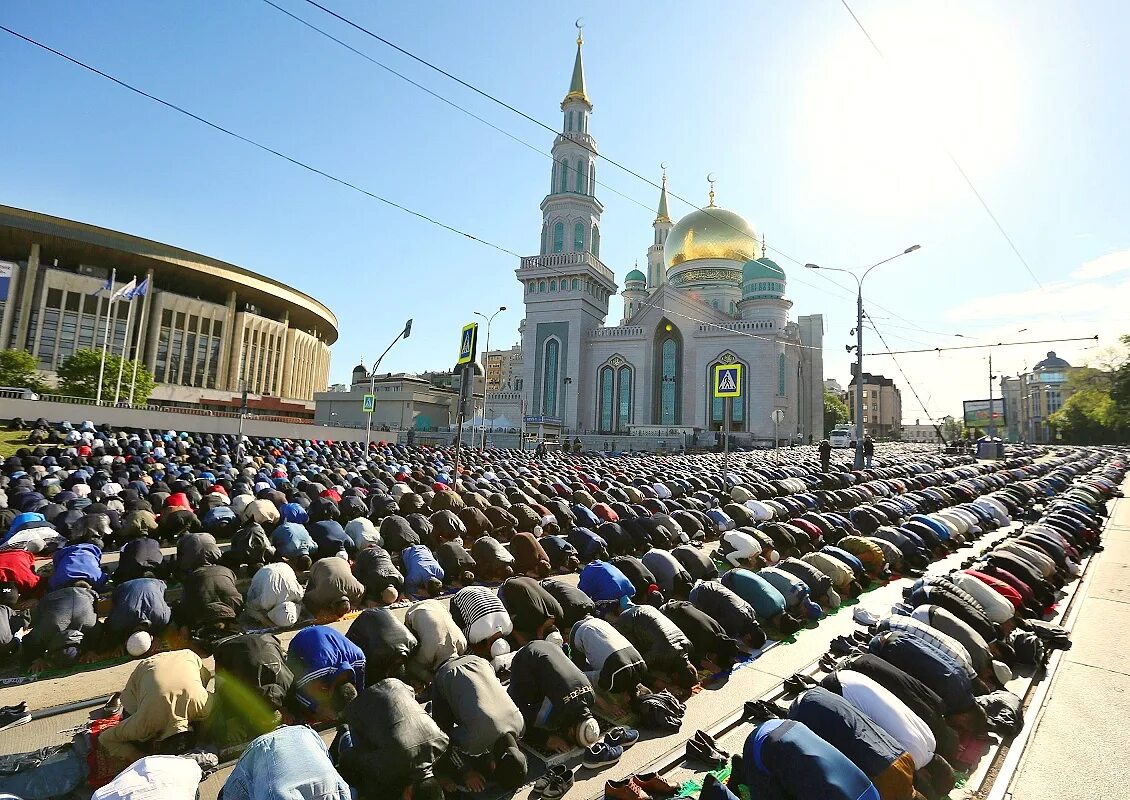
[762,279]
[635,276]
[762,268]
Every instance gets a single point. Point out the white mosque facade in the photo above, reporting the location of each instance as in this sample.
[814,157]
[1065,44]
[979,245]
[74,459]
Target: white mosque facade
[710,296]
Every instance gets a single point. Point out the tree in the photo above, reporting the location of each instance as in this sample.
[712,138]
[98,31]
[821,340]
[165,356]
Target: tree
[835,411]
[18,368]
[951,430]
[78,377]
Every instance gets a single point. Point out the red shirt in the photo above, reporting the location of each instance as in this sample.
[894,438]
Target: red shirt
[17,566]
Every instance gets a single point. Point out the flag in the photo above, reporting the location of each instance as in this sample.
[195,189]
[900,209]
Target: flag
[106,287]
[140,290]
[125,291]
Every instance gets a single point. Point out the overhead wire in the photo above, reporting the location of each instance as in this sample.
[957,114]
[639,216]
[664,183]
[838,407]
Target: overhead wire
[530,118]
[953,159]
[341,181]
[258,145]
[905,377]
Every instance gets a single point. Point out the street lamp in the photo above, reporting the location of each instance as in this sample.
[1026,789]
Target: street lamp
[486,391]
[404,334]
[859,342]
[565,406]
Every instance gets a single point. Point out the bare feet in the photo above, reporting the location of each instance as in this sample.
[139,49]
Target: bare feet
[474,781]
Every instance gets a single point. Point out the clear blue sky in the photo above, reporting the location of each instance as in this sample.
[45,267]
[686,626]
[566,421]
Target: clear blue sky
[837,156]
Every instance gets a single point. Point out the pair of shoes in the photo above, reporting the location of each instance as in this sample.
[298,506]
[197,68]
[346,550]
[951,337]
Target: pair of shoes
[610,748]
[11,716]
[702,747]
[762,710]
[557,780]
[644,786]
[798,683]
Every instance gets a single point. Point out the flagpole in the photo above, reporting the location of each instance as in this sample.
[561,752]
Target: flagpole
[106,335]
[125,348]
[137,357]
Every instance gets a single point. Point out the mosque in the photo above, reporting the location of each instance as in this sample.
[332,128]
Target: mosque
[710,296]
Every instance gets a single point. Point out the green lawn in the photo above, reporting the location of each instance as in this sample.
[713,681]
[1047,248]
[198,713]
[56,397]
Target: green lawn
[11,441]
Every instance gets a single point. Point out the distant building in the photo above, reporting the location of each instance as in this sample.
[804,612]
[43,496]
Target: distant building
[206,329]
[882,406]
[918,432]
[503,370]
[1031,397]
[402,402]
[832,385]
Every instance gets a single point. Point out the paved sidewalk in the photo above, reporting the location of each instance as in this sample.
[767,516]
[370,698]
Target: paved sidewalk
[1081,740]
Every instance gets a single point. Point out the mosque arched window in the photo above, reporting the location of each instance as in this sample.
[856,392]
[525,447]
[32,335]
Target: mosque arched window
[563,176]
[624,398]
[668,370]
[781,375]
[607,409]
[579,237]
[568,121]
[592,177]
[559,237]
[595,241]
[541,287]
[580,176]
[714,303]
[553,286]
[550,372]
[576,284]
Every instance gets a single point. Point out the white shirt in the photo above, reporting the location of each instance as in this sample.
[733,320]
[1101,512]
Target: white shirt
[890,714]
[746,548]
[597,640]
[994,605]
[153,777]
[273,585]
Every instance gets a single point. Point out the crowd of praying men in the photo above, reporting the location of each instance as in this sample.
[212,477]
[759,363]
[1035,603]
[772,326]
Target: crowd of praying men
[685,569]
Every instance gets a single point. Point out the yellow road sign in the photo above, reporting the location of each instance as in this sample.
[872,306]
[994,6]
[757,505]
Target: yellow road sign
[728,380]
[468,340]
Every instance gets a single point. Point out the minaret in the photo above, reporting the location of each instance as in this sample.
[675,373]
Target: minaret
[635,293]
[566,287]
[571,212]
[656,273]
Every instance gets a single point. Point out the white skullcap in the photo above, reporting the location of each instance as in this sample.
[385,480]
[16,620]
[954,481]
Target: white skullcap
[138,644]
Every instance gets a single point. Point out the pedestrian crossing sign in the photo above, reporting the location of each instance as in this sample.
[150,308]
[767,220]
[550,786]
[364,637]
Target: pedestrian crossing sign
[467,341]
[728,380]
[369,403]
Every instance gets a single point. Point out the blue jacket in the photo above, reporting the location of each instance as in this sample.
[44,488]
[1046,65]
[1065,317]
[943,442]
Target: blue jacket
[77,562]
[841,725]
[929,664]
[291,539]
[290,763]
[785,760]
[603,582]
[420,566]
[139,603]
[322,654]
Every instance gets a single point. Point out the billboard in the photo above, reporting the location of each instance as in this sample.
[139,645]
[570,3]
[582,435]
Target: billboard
[976,413]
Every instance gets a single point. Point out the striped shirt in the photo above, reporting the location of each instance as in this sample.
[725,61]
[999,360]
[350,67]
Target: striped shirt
[480,613]
[921,630]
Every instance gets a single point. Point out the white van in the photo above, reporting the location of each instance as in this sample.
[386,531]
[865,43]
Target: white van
[840,438]
[18,393]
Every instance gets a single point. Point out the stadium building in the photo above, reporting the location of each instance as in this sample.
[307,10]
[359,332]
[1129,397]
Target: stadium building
[206,329]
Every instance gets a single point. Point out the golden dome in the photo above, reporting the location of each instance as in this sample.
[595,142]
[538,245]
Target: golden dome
[711,232]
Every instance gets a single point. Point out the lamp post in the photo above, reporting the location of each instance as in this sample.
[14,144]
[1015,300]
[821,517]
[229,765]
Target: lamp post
[565,406]
[486,391]
[859,342]
[404,334]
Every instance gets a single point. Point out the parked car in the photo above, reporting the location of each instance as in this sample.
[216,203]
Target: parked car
[840,438]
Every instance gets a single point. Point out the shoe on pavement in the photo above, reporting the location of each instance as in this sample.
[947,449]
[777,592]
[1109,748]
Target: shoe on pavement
[700,751]
[627,789]
[622,736]
[707,739]
[554,783]
[12,718]
[601,755]
[653,783]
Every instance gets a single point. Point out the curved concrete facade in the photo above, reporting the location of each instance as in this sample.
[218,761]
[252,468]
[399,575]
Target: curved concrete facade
[206,329]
